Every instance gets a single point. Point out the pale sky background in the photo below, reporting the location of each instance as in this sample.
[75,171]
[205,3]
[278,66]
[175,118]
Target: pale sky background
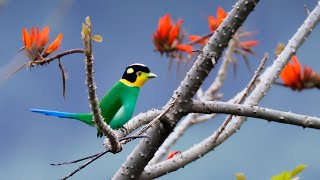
[30,142]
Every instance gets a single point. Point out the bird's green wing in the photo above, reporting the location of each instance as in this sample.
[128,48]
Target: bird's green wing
[118,104]
[122,116]
[110,104]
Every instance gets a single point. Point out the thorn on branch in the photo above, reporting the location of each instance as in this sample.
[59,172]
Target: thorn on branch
[306,9]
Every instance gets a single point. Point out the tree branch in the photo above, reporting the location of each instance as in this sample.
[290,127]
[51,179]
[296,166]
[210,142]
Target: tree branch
[266,79]
[93,100]
[185,92]
[137,122]
[57,56]
[209,107]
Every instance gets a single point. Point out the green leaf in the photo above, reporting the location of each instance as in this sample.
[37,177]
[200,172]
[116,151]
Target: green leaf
[279,49]
[85,30]
[88,22]
[286,175]
[298,169]
[240,176]
[97,38]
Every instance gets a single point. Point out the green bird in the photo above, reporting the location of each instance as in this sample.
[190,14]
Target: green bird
[117,105]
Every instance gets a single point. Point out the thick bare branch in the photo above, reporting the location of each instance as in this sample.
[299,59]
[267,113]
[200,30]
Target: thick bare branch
[187,89]
[209,107]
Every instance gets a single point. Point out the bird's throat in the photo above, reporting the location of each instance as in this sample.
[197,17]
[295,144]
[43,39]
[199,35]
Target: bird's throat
[138,83]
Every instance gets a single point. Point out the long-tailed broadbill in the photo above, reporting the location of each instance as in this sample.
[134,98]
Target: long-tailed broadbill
[118,104]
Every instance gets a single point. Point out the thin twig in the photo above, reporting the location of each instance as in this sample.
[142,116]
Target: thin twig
[84,165]
[78,160]
[93,157]
[245,94]
[46,60]
[57,56]
[97,154]
[254,78]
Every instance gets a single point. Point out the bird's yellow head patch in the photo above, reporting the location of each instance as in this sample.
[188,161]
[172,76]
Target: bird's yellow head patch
[136,75]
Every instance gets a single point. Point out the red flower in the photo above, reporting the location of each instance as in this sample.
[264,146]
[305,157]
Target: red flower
[168,37]
[35,42]
[53,46]
[173,154]
[214,23]
[296,78]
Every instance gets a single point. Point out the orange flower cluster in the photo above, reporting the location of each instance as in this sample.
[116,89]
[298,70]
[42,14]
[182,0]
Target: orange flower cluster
[35,42]
[168,37]
[297,78]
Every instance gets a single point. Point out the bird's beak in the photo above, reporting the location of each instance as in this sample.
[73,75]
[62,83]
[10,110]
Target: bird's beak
[151,75]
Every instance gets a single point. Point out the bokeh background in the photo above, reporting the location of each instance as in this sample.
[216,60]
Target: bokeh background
[29,142]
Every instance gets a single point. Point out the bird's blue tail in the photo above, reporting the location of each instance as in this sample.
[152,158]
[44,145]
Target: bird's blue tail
[86,118]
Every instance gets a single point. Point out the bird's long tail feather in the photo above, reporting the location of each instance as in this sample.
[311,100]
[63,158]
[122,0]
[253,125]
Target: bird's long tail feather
[86,118]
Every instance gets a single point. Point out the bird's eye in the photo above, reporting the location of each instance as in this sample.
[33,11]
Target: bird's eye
[139,73]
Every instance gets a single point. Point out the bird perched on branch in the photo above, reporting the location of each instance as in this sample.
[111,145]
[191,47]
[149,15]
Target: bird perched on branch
[117,105]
